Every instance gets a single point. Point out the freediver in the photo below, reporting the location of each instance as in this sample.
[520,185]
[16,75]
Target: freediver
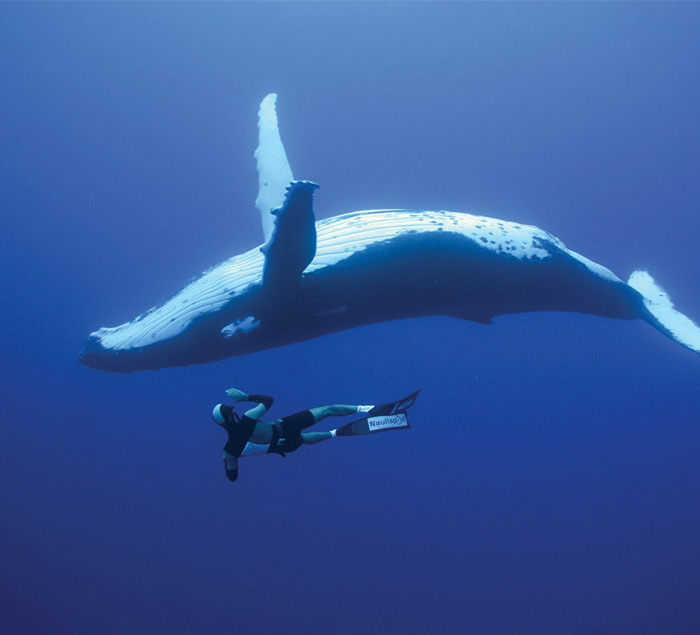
[248,436]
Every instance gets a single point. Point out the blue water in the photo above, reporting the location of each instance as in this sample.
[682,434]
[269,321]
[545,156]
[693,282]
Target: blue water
[550,482]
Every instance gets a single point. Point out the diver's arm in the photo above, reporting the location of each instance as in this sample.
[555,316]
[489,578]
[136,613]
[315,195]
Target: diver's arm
[264,402]
[231,466]
[237,395]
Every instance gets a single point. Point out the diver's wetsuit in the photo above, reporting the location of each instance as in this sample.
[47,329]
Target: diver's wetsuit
[239,430]
[285,435]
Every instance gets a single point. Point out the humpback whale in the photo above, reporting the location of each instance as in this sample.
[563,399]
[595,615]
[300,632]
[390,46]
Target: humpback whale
[312,278]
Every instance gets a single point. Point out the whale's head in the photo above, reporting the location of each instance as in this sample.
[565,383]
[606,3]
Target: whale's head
[208,319]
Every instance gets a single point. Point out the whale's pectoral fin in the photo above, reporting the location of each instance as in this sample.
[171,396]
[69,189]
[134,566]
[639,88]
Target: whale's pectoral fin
[292,245]
[274,172]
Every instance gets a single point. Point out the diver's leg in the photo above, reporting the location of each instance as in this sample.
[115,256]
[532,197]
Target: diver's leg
[315,437]
[337,410]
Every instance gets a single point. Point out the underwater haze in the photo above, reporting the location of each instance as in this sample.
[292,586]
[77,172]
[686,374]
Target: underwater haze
[549,483]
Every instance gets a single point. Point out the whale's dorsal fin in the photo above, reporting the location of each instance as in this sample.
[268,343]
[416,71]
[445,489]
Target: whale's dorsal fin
[274,172]
[292,245]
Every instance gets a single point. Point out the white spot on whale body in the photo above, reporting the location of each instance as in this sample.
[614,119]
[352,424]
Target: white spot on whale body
[241,325]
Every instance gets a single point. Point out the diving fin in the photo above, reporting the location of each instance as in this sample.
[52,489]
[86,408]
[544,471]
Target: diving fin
[388,416]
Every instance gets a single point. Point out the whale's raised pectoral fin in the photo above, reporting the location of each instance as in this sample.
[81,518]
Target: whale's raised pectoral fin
[292,245]
[274,172]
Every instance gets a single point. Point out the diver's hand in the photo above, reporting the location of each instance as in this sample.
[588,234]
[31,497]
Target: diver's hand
[236,395]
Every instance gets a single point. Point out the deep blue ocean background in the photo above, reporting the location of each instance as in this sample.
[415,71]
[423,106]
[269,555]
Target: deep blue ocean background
[549,485]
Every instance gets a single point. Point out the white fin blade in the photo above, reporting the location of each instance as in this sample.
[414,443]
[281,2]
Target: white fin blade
[274,171]
[665,317]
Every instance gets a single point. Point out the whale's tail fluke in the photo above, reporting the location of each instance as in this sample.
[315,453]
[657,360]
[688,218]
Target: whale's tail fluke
[662,315]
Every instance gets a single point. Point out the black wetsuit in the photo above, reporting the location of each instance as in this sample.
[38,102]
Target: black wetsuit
[239,433]
[239,430]
[286,434]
